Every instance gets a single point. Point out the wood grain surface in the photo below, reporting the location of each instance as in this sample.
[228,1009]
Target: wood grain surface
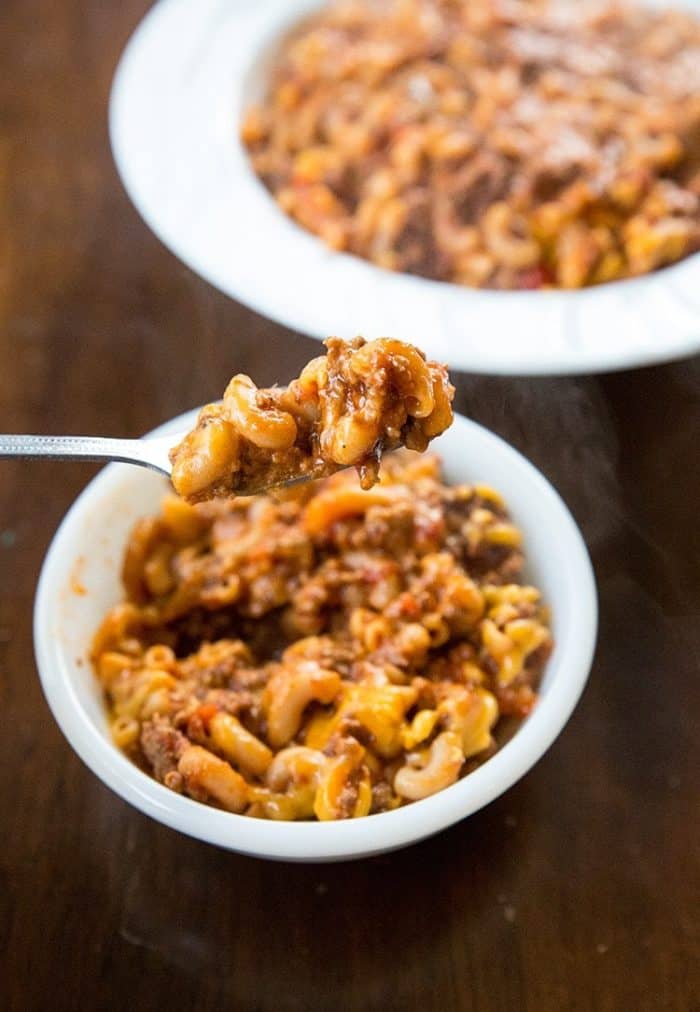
[577,890]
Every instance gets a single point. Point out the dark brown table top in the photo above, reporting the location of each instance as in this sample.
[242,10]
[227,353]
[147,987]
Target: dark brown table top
[578,889]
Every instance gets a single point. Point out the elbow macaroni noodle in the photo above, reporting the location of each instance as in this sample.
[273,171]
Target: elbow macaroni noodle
[326,654]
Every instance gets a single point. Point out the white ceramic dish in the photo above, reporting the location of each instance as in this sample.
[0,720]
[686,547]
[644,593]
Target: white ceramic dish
[189,70]
[88,547]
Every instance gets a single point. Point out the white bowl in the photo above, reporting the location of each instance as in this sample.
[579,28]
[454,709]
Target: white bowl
[85,556]
[186,76]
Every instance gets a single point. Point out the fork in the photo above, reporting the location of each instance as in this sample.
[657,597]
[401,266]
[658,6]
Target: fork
[151,451]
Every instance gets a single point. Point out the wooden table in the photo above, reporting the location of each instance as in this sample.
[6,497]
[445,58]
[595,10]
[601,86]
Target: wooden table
[577,890]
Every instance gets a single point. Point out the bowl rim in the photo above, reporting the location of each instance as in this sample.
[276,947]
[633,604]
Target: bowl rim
[330,841]
[652,318]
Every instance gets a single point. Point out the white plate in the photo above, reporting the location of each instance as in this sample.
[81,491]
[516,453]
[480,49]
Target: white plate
[88,548]
[187,74]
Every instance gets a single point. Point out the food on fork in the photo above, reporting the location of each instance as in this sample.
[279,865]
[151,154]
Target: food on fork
[346,409]
[506,144]
[328,652]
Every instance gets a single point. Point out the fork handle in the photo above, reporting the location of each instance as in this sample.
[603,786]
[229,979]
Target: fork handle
[74,447]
